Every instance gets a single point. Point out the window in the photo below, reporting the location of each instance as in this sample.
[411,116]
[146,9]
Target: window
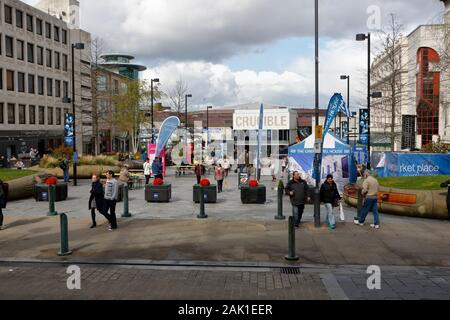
[11,113]
[8,14]
[48,58]
[40,56]
[64,36]
[32,114]
[48,30]
[41,86]
[64,62]
[30,23]
[22,119]
[1,79]
[57,88]
[39,26]
[57,60]
[49,87]
[10,80]
[116,87]
[30,52]
[56,33]
[50,115]
[101,83]
[20,82]
[31,83]
[65,89]
[58,116]
[1,44]
[41,115]
[20,54]
[9,47]
[2,106]
[19,19]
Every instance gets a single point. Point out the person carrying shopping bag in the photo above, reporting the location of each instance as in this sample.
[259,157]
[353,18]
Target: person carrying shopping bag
[330,197]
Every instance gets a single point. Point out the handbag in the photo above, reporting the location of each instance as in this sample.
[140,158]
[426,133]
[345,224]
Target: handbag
[341,209]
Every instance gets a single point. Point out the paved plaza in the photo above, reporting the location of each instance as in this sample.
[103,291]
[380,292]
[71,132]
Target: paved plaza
[237,253]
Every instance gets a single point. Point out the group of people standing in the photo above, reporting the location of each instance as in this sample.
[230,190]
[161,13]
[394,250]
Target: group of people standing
[298,191]
[104,199]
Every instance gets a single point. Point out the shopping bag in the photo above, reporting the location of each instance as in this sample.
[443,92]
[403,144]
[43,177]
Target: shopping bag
[341,209]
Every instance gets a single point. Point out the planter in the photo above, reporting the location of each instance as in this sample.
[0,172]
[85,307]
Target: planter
[41,192]
[210,193]
[158,193]
[253,195]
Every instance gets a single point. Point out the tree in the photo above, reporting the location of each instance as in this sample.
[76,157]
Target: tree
[391,80]
[130,109]
[177,96]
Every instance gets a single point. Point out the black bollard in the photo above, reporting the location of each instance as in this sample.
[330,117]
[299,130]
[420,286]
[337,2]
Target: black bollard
[202,214]
[280,190]
[64,236]
[126,212]
[51,200]
[291,256]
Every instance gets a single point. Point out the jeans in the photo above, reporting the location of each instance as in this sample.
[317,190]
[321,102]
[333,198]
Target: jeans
[110,205]
[330,215]
[370,204]
[1,216]
[66,175]
[198,179]
[219,185]
[298,213]
[147,179]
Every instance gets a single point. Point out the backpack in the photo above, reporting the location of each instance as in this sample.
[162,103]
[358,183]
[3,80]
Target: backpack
[63,165]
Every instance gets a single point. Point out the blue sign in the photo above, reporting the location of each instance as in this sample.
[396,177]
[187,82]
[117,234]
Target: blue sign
[363,126]
[335,105]
[344,129]
[168,127]
[69,122]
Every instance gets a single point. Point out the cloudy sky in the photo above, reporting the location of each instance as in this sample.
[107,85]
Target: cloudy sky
[232,52]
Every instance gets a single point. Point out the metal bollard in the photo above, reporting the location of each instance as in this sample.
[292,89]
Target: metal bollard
[64,236]
[280,190]
[291,256]
[51,200]
[126,212]
[360,204]
[202,214]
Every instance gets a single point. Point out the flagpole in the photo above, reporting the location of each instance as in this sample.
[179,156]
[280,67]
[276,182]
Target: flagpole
[317,156]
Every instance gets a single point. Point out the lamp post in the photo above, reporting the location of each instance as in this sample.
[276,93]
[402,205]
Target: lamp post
[186,122]
[207,127]
[151,93]
[78,46]
[318,156]
[344,77]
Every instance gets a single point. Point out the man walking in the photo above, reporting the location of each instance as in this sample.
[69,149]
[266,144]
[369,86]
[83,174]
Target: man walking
[147,171]
[111,195]
[370,189]
[157,168]
[297,189]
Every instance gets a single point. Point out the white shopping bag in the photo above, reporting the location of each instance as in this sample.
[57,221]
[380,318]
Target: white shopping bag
[341,208]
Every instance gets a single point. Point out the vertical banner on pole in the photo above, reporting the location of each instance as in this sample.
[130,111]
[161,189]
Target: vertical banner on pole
[69,121]
[344,130]
[363,126]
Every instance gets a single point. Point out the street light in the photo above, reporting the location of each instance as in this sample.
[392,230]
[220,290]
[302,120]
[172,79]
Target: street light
[318,156]
[344,77]
[207,127]
[78,46]
[151,93]
[186,122]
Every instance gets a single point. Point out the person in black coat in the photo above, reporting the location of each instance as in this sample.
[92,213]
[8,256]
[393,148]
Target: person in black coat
[97,200]
[446,184]
[329,196]
[3,200]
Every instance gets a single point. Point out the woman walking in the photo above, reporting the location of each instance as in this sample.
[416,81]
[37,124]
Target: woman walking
[219,174]
[330,196]
[97,200]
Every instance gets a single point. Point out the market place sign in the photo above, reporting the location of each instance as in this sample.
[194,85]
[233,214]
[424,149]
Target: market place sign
[273,119]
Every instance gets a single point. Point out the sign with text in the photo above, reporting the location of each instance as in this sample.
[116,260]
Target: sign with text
[273,119]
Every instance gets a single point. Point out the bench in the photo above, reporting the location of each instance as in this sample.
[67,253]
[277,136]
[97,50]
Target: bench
[183,169]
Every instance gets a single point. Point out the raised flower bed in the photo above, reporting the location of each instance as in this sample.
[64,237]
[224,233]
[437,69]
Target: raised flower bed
[41,190]
[158,191]
[253,193]
[209,192]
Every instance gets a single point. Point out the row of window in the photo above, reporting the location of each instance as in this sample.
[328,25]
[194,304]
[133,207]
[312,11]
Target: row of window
[35,25]
[31,114]
[35,54]
[29,82]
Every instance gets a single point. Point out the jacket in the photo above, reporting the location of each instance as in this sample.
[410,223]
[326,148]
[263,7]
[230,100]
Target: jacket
[329,193]
[199,170]
[147,168]
[219,173]
[3,194]
[97,194]
[446,184]
[300,190]
[111,190]
[156,168]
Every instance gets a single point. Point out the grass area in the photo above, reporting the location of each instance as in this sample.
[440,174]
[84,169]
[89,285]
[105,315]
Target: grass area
[415,183]
[11,174]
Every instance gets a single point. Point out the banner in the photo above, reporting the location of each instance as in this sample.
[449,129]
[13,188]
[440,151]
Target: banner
[168,127]
[69,121]
[344,130]
[336,103]
[363,126]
